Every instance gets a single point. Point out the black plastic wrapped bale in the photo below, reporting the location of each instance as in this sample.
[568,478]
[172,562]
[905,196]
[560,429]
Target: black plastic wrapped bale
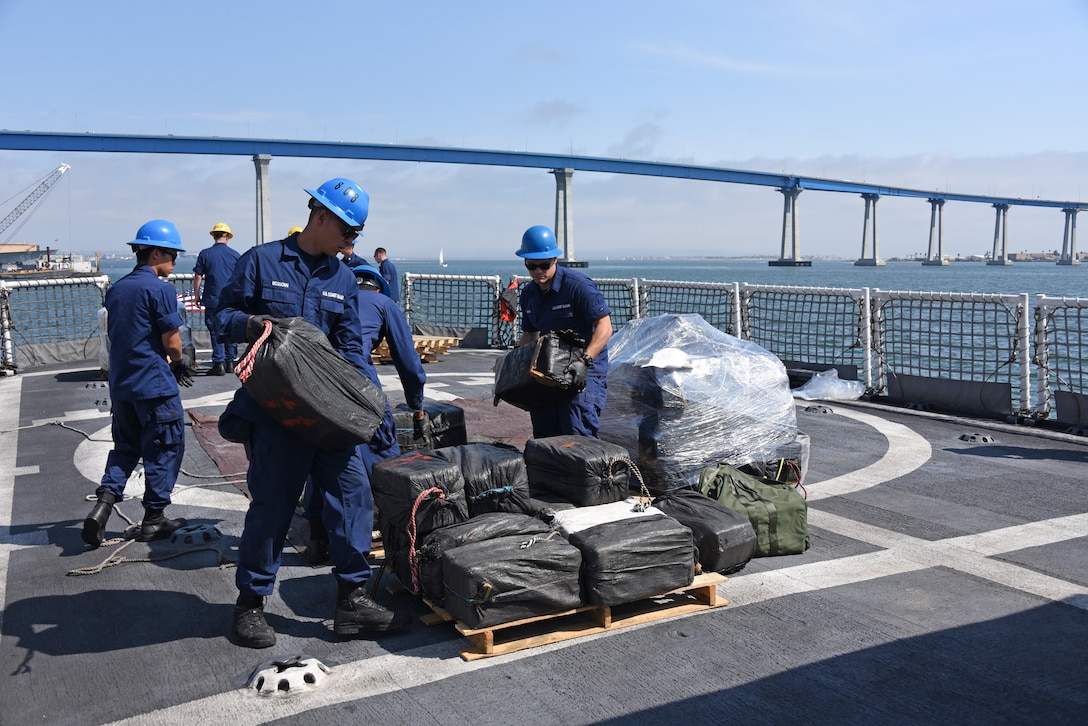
[580,469]
[398,484]
[725,539]
[484,527]
[536,374]
[304,384]
[495,477]
[635,558]
[511,578]
[445,426]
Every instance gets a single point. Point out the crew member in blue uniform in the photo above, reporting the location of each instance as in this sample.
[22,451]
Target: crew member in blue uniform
[389,273]
[146,366]
[214,266]
[301,277]
[559,298]
[348,256]
[380,319]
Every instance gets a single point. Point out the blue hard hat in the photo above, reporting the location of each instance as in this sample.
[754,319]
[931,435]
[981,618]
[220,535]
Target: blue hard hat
[538,243]
[368,271]
[158,233]
[344,198]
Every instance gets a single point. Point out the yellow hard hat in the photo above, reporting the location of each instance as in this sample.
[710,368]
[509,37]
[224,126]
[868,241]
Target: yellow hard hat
[293,230]
[222,227]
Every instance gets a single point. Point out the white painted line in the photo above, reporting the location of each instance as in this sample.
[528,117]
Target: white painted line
[11,391]
[24,470]
[907,451]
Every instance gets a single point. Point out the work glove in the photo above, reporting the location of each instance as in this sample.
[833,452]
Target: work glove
[255,327]
[183,370]
[578,372]
[419,419]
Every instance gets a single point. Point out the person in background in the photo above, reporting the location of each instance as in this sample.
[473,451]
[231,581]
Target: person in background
[389,273]
[558,298]
[214,266]
[380,319]
[348,256]
[146,367]
[301,277]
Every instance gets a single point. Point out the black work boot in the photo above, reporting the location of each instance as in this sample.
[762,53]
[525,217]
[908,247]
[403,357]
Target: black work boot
[216,370]
[157,526]
[252,629]
[229,366]
[318,551]
[94,526]
[358,614]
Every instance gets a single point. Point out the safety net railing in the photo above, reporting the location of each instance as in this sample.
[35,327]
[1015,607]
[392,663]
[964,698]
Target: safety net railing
[716,302]
[623,298]
[964,337]
[460,306]
[49,321]
[1061,358]
[817,326]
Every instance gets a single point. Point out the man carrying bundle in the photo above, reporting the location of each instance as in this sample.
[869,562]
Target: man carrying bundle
[301,276]
[556,299]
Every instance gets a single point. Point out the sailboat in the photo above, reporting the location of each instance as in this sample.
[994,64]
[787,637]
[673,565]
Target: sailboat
[442,258]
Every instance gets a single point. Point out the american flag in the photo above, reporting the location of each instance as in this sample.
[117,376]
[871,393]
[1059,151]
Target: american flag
[188,301]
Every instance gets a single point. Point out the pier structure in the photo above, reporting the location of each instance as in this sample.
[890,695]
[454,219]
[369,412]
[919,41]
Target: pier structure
[562,165]
[791,244]
[564,218]
[1001,237]
[870,223]
[1069,239]
[936,225]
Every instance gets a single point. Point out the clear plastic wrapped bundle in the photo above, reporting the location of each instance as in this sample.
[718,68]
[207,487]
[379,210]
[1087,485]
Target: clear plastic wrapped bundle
[683,395]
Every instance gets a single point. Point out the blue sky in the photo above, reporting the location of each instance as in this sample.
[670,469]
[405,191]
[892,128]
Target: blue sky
[970,97]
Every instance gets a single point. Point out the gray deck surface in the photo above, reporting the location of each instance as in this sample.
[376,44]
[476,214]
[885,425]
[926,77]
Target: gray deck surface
[947,583]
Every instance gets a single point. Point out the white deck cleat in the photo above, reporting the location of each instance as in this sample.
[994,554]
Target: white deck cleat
[283,677]
[195,534]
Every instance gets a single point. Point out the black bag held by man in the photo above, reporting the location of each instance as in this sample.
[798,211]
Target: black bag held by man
[537,374]
[725,539]
[300,380]
[776,510]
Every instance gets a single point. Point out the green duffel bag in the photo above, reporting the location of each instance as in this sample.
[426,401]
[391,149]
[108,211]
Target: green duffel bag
[777,511]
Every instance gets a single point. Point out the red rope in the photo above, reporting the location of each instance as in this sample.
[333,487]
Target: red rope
[413,564]
[245,366]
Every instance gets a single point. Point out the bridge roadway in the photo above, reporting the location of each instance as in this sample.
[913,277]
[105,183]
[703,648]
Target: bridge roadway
[262,150]
[947,583]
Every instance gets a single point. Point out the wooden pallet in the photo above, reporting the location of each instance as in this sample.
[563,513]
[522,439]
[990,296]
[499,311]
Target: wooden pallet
[429,347]
[701,594]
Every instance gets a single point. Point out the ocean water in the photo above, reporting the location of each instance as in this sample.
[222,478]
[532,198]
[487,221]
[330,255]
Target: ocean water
[1025,277]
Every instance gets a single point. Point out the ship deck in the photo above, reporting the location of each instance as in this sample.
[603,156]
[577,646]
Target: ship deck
[947,582]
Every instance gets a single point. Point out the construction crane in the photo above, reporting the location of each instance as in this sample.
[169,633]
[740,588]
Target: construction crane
[39,191]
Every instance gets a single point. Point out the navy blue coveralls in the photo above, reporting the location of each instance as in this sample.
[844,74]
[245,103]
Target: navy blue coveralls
[353,260]
[380,318]
[148,418]
[572,303]
[216,264]
[389,272]
[278,279]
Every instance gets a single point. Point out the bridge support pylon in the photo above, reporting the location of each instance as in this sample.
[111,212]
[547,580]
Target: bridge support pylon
[791,250]
[936,225]
[870,222]
[1001,234]
[264,203]
[564,218]
[1069,239]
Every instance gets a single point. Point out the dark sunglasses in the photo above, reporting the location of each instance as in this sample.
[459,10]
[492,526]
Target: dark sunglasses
[546,264]
[346,230]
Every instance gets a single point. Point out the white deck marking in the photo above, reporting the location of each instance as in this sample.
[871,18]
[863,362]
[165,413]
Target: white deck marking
[11,391]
